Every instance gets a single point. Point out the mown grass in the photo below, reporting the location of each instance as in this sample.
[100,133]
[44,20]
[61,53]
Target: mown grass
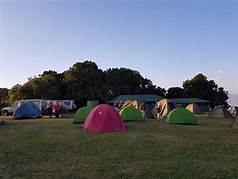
[50,148]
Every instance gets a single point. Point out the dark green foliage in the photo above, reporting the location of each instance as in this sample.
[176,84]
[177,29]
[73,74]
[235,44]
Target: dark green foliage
[47,85]
[14,93]
[3,97]
[160,91]
[3,93]
[200,87]
[85,81]
[126,81]
[175,92]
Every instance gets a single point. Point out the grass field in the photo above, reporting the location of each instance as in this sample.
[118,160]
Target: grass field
[45,148]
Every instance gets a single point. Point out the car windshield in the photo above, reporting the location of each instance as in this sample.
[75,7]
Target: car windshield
[15,104]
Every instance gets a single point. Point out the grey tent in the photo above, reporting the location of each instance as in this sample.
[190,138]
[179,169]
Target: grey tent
[220,112]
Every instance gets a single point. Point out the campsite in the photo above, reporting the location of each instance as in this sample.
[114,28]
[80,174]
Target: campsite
[44,148]
[100,142]
[118,89]
[128,136]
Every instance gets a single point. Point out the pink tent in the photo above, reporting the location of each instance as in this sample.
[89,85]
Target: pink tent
[104,118]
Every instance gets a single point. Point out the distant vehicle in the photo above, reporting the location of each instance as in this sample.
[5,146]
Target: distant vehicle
[40,103]
[67,105]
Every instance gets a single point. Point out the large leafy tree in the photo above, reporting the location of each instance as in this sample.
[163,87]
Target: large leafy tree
[149,88]
[3,97]
[83,81]
[3,93]
[200,87]
[14,93]
[120,81]
[175,92]
[47,86]
[159,91]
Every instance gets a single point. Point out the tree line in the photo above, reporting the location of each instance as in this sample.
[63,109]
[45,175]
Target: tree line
[85,81]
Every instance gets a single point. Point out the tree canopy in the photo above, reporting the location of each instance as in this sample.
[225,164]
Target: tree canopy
[3,97]
[85,81]
[175,92]
[200,87]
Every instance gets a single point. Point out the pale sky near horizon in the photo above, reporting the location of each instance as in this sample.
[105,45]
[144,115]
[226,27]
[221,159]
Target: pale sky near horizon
[167,41]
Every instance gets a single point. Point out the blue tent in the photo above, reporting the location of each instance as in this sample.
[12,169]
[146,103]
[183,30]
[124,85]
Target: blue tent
[27,110]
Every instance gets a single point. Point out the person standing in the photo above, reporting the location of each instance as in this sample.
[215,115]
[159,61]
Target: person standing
[142,109]
[49,108]
[57,108]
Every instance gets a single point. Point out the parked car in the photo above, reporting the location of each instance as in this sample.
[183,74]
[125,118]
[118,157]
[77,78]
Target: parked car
[67,105]
[40,103]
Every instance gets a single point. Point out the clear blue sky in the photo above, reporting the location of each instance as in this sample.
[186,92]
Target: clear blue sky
[167,41]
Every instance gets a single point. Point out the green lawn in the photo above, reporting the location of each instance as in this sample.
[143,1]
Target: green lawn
[45,148]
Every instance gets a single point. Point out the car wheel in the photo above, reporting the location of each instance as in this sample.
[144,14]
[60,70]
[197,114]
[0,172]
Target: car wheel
[5,113]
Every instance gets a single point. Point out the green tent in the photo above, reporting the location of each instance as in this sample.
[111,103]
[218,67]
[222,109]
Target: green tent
[82,114]
[181,116]
[130,113]
[92,104]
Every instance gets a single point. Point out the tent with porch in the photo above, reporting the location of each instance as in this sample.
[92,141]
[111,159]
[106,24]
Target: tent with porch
[163,108]
[193,108]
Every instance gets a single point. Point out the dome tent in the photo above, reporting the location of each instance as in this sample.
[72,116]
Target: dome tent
[92,104]
[220,112]
[130,113]
[181,116]
[104,118]
[27,110]
[193,108]
[81,114]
